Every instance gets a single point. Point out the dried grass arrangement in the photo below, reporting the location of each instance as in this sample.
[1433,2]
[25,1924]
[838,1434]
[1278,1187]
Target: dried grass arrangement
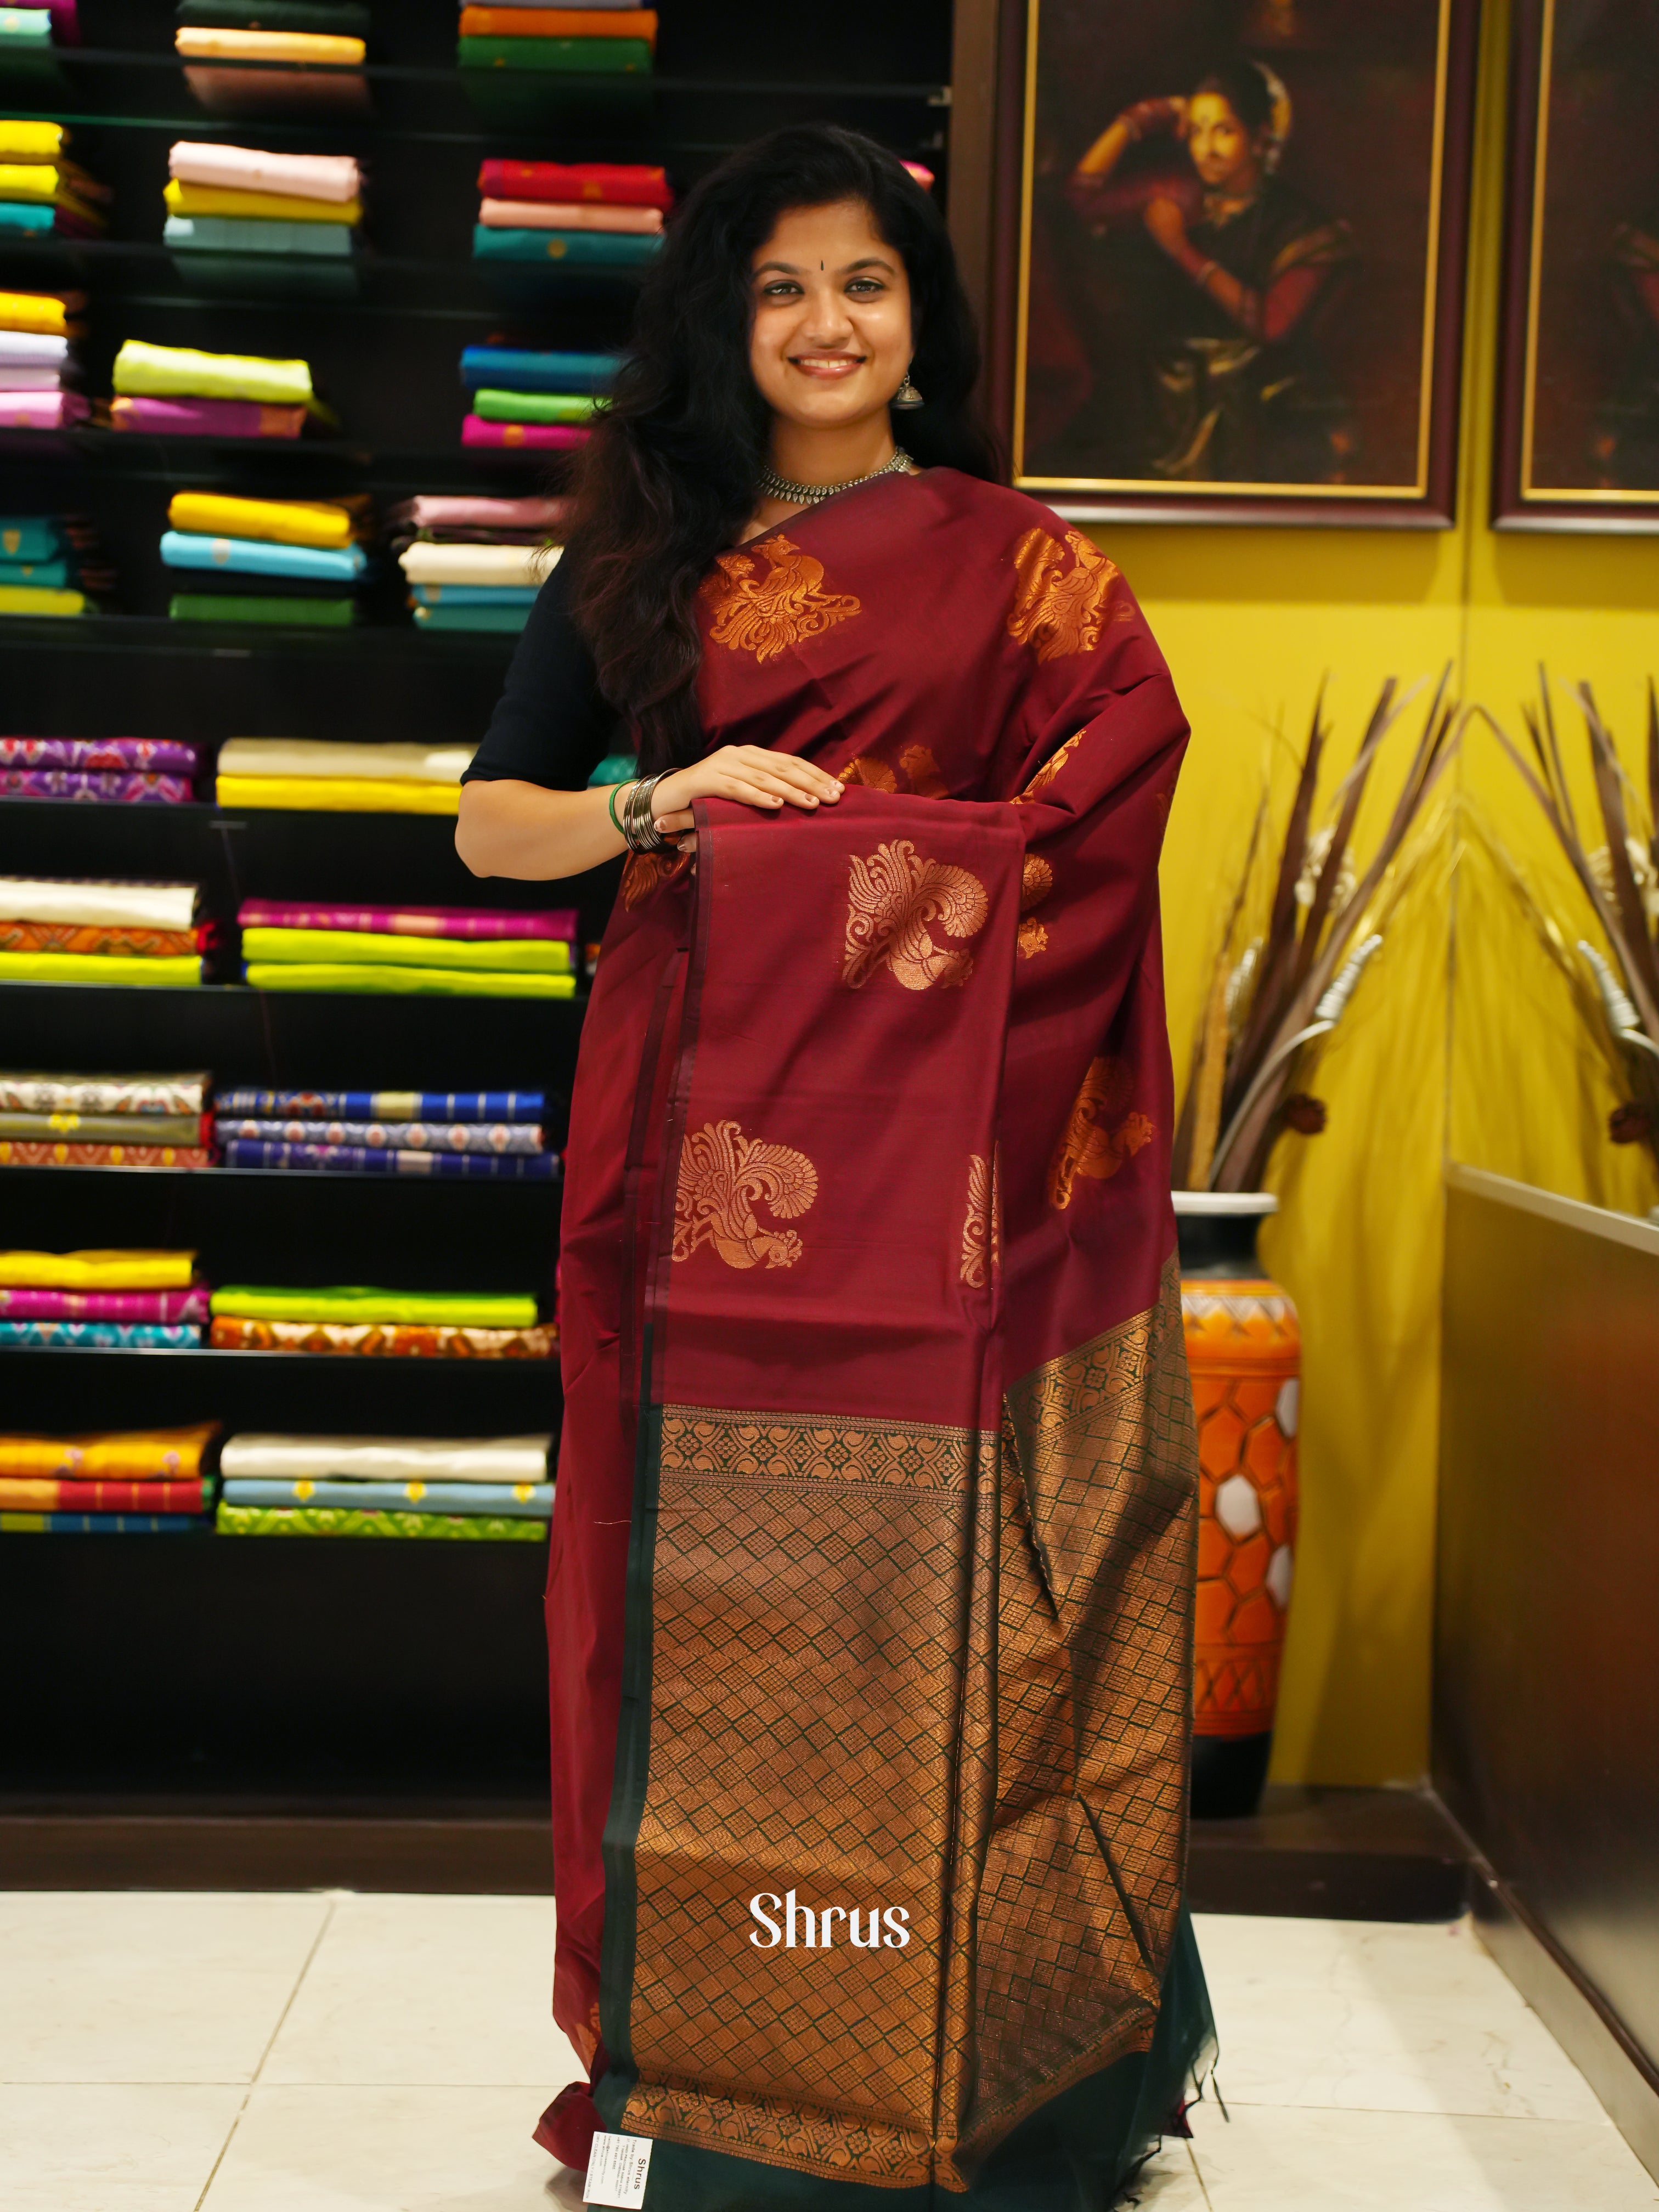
[1290,957]
[1620,879]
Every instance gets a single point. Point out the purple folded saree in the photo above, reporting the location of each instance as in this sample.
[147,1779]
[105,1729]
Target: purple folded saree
[118,756]
[112,790]
[361,1159]
[459,921]
[206,418]
[152,1306]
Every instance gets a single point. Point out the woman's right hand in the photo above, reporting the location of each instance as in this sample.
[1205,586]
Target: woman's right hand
[753,776]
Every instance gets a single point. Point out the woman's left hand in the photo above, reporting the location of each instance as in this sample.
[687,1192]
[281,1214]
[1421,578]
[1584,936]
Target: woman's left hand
[1163,219]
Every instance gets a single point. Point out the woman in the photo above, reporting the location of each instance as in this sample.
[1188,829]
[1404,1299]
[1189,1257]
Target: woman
[869,1597]
[1237,392]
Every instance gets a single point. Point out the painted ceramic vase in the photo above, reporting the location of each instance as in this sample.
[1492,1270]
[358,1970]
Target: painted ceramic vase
[1244,1349]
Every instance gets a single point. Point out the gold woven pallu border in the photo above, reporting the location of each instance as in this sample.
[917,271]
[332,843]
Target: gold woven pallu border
[897,1666]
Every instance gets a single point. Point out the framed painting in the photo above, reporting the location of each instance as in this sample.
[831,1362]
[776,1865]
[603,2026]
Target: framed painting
[1238,273]
[1578,393]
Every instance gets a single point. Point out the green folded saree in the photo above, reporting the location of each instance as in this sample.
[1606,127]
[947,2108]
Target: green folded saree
[534,406]
[357,1302]
[169,371]
[356,947]
[346,1521]
[232,607]
[362,976]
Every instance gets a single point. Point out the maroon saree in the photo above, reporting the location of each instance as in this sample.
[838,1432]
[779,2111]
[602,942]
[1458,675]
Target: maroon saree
[869,1606]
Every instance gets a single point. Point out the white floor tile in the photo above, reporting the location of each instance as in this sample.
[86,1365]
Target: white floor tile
[147,1986]
[1171,2183]
[110,2148]
[1271,2160]
[304,2149]
[447,1991]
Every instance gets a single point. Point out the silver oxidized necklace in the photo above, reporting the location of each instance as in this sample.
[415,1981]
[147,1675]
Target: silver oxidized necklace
[773,486]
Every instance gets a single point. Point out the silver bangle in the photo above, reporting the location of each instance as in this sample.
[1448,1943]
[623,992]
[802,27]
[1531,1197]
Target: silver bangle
[640,832]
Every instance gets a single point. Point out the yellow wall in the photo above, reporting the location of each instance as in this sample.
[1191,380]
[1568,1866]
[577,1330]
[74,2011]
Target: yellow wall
[1250,620]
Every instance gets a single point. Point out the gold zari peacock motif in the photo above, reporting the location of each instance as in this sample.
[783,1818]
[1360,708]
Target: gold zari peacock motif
[766,612]
[892,900]
[1058,607]
[722,1175]
[1101,1134]
[982,1227]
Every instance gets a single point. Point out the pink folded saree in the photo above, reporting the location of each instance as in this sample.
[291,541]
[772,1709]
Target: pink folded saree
[333,177]
[163,1306]
[445,511]
[207,418]
[41,411]
[546,437]
[558,923]
[554,215]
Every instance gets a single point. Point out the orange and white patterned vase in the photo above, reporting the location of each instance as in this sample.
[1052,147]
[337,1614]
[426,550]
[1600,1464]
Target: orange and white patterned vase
[1244,1349]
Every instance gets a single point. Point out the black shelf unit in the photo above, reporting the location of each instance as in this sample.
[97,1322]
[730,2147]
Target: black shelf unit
[396,1688]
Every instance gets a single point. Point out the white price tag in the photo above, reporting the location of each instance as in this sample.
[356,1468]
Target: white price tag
[617,2167]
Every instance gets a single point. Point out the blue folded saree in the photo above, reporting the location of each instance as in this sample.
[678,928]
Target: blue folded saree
[254,556]
[518,1501]
[511,369]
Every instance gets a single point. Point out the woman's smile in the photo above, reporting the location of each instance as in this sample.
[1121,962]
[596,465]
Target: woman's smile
[829,365]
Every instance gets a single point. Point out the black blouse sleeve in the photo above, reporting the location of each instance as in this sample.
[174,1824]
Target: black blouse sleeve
[550,727]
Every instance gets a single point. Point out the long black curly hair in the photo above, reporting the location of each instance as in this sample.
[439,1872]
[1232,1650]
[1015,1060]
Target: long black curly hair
[668,478]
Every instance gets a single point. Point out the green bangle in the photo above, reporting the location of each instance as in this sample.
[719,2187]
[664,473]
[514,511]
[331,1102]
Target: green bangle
[610,804]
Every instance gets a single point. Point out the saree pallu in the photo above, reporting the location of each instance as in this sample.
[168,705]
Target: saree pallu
[871,1584]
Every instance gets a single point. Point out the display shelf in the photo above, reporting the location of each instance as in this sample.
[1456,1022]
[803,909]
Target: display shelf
[338,1671]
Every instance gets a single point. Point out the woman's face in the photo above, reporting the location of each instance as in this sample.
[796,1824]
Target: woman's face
[1224,153]
[831,340]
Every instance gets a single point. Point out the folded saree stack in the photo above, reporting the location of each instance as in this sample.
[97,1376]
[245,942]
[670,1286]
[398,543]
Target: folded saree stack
[380,1323]
[104,1301]
[489,1489]
[32,27]
[54,1120]
[389,776]
[274,57]
[266,559]
[241,219]
[42,194]
[49,564]
[478,587]
[480,1136]
[147,1482]
[112,771]
[70,930]
[177,391]
[447,532]
[447,951]
[540,400]
[596,218]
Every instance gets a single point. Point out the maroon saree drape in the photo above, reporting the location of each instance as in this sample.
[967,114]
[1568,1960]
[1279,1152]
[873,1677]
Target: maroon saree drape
[869,1603]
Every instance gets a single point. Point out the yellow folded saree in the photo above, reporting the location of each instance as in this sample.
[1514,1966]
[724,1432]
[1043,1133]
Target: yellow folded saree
[159,372]
[339,794]
[275,207]
[98,1269]
[156,971]
[134,1456]
[44,314]
[405,982]
[267,47]
[272,522]
[526,955]
[22,141]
